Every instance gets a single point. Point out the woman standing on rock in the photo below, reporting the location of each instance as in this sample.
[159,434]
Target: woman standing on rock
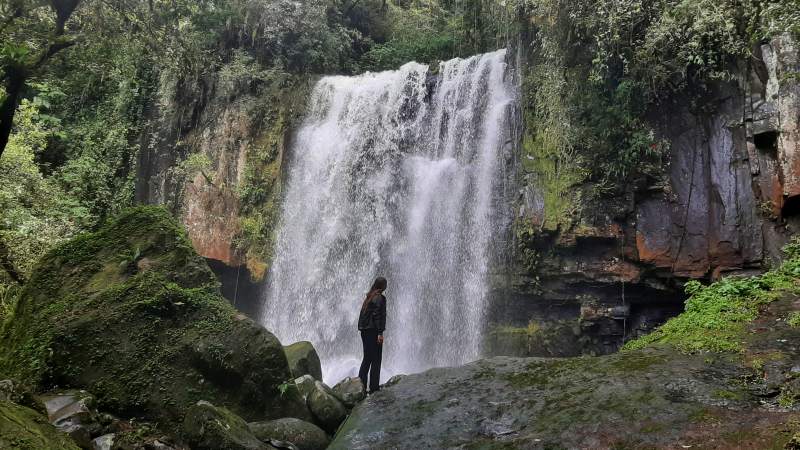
[371,323]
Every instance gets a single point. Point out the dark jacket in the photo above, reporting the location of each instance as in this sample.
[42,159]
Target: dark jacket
[373,317]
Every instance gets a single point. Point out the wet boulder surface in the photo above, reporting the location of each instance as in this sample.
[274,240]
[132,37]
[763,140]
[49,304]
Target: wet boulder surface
[303,360]
[207,427]
[304,435]
[655,397]
[133,315]
[349,391]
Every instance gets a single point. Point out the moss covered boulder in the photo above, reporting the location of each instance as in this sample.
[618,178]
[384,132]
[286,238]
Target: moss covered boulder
[25,429]
[304,435]
[208,427]
[134,315]
[303,360]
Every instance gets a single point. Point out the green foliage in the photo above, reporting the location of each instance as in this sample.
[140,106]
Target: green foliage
[8,300]
[550,153]
[418,33]
[794,319]
[430,31]
[525,238]
[666,45]
[607,63]
[284,387]
[610,123]
[35,212]
[781,17]
[715,315]
[787,398]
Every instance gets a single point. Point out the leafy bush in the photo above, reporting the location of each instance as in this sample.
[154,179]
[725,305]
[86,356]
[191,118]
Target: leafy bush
[416,34]
[794,319]
[35,213]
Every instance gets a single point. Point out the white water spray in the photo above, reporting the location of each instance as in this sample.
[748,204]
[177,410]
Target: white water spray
[397,174]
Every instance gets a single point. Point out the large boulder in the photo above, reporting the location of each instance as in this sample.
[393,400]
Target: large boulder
[653,397]
[305,435]
[303,360]
[134,315]
[208,427]
[24,428]
[326,408]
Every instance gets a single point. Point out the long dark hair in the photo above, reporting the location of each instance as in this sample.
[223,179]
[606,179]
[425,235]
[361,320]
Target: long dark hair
[377,288]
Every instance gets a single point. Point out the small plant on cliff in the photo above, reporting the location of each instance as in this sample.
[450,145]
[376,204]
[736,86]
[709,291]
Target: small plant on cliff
[130,258]
[8,298]
[716,314]
[787,398]
[283,388]
[794,319]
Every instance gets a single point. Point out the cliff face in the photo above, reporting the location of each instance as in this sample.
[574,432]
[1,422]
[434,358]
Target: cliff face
[212,126]
[727,203]
[733,177]
[213,152]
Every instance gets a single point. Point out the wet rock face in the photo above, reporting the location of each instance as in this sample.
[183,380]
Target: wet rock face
[731,180]
[213,126]
[651,398]
[238,132]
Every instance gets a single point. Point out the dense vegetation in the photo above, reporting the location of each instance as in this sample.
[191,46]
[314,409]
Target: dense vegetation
[91,82]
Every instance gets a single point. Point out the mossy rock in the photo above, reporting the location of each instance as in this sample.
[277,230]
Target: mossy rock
[208,427]
[305,435]
[303,360]
[132,314]
[25,429]
[326,408]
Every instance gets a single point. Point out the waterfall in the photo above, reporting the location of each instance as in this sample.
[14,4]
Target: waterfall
[398,174]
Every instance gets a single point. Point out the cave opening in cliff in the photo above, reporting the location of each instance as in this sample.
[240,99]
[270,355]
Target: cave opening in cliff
[767,142]
[791,206]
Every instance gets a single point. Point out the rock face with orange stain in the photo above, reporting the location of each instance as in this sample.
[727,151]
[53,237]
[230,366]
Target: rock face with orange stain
[734,177]
[729,200]
[227,197]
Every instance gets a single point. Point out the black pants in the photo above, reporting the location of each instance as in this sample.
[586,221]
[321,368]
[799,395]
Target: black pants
[372,359]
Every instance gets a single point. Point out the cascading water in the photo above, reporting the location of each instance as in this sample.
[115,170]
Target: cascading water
[398,174]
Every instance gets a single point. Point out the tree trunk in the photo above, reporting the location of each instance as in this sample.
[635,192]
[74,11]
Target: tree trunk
[16,81]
